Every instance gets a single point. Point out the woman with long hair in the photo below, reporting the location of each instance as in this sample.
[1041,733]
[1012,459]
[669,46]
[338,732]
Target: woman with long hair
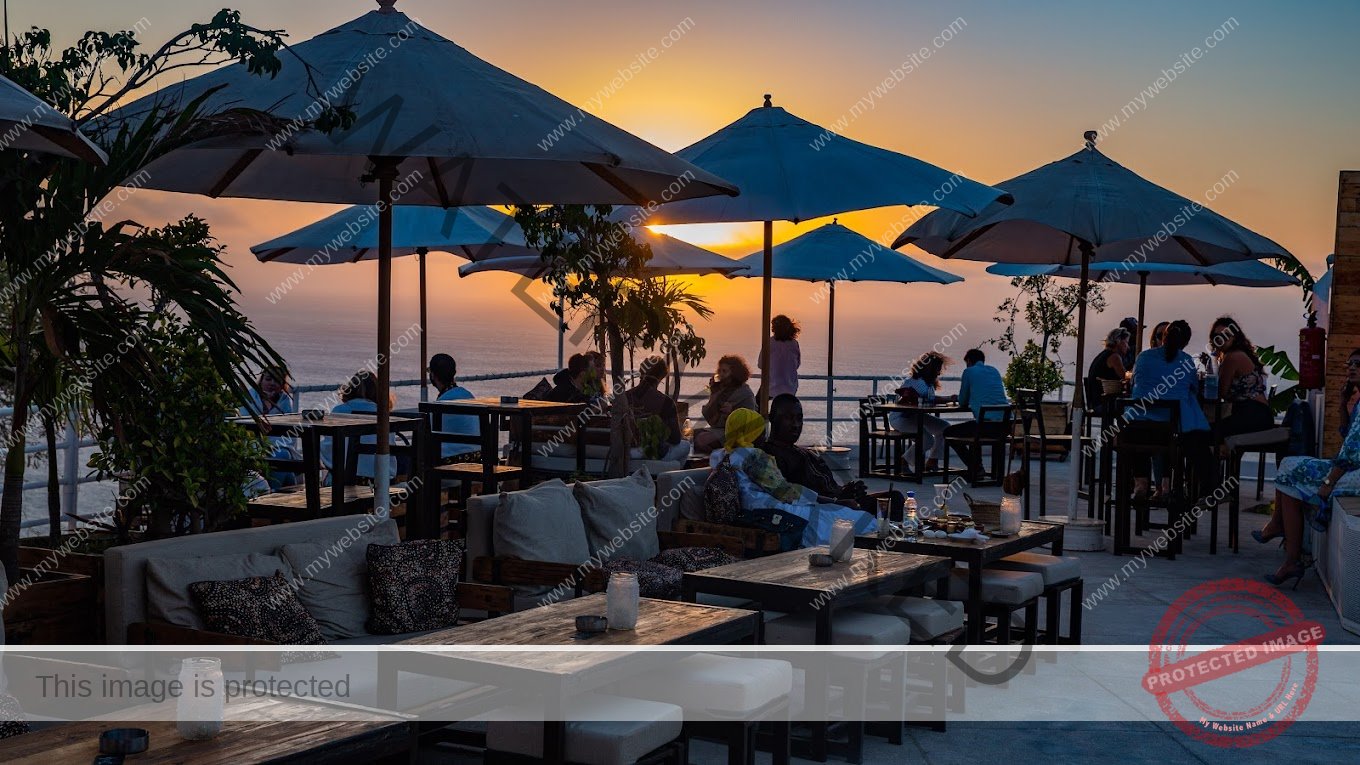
[359,395]
[648,402]
[1105,377]
[785,356]
[272,395]
[921,388]
[728,391]
[1168,373]
[1305,486]
[1241,380]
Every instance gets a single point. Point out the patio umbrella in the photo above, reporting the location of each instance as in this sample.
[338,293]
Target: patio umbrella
[833,253]
[31,124]
[1083,209]
[1246,273]
[434,125]
[351,235]
[670,257]
[791,169]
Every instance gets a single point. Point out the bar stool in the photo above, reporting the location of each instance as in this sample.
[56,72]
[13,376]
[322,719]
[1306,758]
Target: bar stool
[1060,575]
[595,734]
[1004,594]
[1273,441]
[724,698]
[1135,443]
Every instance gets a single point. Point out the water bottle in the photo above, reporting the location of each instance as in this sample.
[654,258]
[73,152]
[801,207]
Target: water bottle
[884,504]
[909,523]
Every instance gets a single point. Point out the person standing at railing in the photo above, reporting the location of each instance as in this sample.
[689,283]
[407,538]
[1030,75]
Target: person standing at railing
[785,356]
[443,372]
[272,396]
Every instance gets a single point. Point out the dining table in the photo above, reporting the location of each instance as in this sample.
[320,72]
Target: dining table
[492,413]
[918,412]
[976,555]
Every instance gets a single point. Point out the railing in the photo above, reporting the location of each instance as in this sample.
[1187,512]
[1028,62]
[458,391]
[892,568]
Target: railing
[817,409]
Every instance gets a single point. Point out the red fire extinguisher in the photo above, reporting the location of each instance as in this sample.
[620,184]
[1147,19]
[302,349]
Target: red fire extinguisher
[1312,355]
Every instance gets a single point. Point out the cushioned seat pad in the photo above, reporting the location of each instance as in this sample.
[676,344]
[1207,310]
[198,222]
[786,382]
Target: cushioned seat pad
[722,685]
[1053,568]
[1009,588]
[927,618]
[595,734]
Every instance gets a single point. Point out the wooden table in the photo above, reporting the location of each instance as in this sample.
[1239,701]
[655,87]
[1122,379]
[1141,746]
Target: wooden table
[339,427]
[1032,534]
[557,676]
[490,414]
[919,412]
[257,730]
[785,582]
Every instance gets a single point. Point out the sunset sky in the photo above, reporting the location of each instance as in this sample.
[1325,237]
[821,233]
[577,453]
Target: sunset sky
[1274,101]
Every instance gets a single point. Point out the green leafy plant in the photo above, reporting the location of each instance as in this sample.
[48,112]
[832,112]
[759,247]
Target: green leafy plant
[1032,369]
[169,437]
[652,434]
[1279,364]
[1049,310]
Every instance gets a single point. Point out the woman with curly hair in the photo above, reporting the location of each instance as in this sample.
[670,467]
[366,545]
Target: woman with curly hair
[1241,380]
[921,388]
[727,392]
[785,356]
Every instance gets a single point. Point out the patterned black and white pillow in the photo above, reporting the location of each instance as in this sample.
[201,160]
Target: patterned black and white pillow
[259,607]
[655,580]
[691,559]
[12,721]
[414,585]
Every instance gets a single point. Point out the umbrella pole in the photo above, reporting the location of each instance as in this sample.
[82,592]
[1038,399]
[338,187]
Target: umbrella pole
[385,170]
[561,337]
[1078,396]
[1142,303]
[423,254]
[830,362]
[766,283]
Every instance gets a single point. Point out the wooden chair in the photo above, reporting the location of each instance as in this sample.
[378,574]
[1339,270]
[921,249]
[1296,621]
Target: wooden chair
[1136,441]
[878,437]
[995,426]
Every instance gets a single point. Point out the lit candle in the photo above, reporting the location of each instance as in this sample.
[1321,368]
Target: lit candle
[842,540]
[621,601]
[1010,515]
[199,709]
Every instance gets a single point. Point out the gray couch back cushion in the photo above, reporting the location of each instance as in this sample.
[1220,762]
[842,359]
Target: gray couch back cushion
[543,524]
[332,577]
[620,517]
[168,580]
[125,586]
[680,494]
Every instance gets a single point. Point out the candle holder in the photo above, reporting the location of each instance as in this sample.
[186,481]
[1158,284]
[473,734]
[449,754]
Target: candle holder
[1010,516]
[199,710]
[621,601]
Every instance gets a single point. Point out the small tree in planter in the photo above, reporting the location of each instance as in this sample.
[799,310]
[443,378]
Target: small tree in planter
[1048,310]
[595,265]
[169,438]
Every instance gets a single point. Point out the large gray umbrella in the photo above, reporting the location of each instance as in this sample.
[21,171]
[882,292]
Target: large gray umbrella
[791,169]
[1082,209]
[351,235]
[435,126]
[31,124]
[834,253]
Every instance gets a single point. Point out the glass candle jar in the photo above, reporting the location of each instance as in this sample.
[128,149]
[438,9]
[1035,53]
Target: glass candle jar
[621,601]
[842,540]
[199,710]
[1010,515]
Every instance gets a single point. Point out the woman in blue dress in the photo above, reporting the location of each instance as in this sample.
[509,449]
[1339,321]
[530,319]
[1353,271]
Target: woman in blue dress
[1168,373]
[1304,487]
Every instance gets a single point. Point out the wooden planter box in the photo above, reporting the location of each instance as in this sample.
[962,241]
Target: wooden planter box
[34,552]
[53,608]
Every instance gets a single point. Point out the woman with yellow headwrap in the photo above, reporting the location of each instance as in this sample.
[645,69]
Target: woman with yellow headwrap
[763,487]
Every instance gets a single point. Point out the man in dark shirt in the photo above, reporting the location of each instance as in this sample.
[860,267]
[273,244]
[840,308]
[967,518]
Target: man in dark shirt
[567,389]
[807,468]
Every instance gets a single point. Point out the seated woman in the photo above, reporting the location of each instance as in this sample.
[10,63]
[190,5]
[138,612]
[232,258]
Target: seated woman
[763,487]
[1169,374]
[1304,486]
[272,396]
[1241,381]
[359,395]
[647,401]
[921,388]
[727,392]
[1107,370]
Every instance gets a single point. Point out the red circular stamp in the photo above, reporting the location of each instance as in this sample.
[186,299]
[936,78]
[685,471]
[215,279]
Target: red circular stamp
[1242,693]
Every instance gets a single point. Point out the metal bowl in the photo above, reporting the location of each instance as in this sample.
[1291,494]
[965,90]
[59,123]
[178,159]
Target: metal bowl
[591,625]
[313,414]
[124,741]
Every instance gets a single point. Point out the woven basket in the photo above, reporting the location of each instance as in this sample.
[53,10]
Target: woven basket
[984,512]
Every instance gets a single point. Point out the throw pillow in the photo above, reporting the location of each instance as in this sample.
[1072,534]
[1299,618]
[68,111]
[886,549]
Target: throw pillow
[722,493]
[168,580]
[691,559]
[332,576]
[12,720]
[543,524]
[655,580]
[620,516]
[414,585]
[259,607]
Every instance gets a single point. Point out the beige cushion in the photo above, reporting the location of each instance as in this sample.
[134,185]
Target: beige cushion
[620,516]
[1271,437]
[1053,568]
[168,580]
[850,626]
[603,730]
[333,577]
[926,617]
[543,524]
[714,685]
[1010,588]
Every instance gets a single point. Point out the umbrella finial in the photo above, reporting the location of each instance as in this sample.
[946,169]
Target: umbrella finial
[767,100]
[387,6]
[1090,137]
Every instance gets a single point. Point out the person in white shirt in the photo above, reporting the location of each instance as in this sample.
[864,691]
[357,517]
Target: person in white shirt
[785,356]
[443,372]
